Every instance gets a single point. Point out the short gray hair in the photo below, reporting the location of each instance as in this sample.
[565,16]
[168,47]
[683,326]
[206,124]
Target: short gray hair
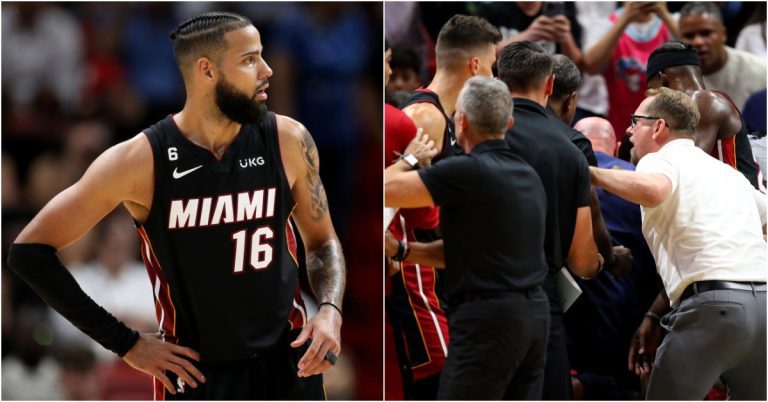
[701,7]
[487,104]
[567,77]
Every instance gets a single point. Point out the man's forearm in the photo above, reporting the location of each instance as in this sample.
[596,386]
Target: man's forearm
[393,178]
[599,231]
[661,305]
[403,187]
[431,254]
[596,58]
[41,269]
[648,190]
[327,273]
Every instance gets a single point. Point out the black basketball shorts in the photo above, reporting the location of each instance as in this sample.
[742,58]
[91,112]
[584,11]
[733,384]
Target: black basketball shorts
[272,375]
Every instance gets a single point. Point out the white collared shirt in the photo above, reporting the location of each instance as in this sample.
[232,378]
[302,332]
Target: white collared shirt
[710,226]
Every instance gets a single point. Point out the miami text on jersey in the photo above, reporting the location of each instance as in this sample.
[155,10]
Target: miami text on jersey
[225,208]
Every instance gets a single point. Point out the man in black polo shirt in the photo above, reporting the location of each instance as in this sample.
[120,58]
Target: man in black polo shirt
[561,107]
[563,170]
[492,214]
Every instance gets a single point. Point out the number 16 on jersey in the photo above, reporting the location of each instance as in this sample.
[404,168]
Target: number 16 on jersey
[260,251]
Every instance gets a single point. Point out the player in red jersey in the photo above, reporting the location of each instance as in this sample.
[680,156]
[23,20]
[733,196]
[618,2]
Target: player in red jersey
[415,301]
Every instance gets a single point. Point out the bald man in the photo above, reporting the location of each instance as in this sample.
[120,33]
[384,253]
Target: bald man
[599,132]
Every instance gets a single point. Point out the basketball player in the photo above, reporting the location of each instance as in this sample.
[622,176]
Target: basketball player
[721,131]
[211,190]
[415,299]
[466,46]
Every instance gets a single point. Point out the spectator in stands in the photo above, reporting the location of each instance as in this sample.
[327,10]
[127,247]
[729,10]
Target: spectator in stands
[321,52]
[552,25]
[752,37]
[405,77]
[117,281]
[145,38]
[79,377]
[735,72]
[107,90]
[632,33]
[29,372]
[51,173]
[593,95]
[11,192]
[42,52]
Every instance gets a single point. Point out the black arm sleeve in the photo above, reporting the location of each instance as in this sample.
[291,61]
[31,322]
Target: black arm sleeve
[39,266]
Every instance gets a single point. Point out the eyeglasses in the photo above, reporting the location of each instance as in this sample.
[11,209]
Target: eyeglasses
[634,117]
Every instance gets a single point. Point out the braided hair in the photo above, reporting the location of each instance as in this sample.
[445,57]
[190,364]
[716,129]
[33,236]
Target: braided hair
[203,35]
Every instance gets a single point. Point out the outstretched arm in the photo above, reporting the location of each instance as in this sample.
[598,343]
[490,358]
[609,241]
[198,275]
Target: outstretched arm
[121,174]
[646,189]
[325,260]
[403,187]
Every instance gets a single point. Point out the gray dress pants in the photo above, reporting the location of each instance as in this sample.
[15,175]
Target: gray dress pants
[719,333]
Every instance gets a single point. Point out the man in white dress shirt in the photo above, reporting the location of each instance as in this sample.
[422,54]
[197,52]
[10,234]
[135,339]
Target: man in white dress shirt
[702,221]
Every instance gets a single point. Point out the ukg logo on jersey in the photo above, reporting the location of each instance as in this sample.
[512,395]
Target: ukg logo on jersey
[251,162]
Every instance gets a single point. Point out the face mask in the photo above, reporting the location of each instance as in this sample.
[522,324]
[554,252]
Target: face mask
[644,31]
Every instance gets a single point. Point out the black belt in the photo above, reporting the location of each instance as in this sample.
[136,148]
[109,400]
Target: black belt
[705,286]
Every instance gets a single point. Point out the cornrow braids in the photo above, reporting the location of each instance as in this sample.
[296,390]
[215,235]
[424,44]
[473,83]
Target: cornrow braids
[207,21]
[204,34]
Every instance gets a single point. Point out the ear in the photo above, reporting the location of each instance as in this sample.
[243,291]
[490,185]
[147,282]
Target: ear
[474,65]
[664,80]
[570,102]
[658,128]
[549,85]
[723,32]
[464,122]
[206,68]
[510,122]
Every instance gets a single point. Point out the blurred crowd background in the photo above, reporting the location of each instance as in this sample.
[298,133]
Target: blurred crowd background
[411,29]
[80,77]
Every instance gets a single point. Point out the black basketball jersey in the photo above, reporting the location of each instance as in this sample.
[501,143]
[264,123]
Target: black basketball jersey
[738,149]
[449,147]
[218,244]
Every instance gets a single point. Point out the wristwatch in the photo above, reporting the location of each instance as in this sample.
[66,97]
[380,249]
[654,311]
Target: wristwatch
[410,160]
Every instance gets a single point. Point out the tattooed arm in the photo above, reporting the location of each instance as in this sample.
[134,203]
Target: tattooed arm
[325,260]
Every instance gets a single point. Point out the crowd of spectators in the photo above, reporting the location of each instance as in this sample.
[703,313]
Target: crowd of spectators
[609,41]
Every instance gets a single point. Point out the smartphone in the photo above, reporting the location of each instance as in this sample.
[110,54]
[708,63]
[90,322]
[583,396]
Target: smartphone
[553,8]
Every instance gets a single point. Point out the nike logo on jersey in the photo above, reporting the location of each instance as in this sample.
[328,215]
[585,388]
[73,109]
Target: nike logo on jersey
[179,175]
[453,141]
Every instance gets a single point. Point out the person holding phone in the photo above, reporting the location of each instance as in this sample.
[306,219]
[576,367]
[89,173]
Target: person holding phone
[552,25]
